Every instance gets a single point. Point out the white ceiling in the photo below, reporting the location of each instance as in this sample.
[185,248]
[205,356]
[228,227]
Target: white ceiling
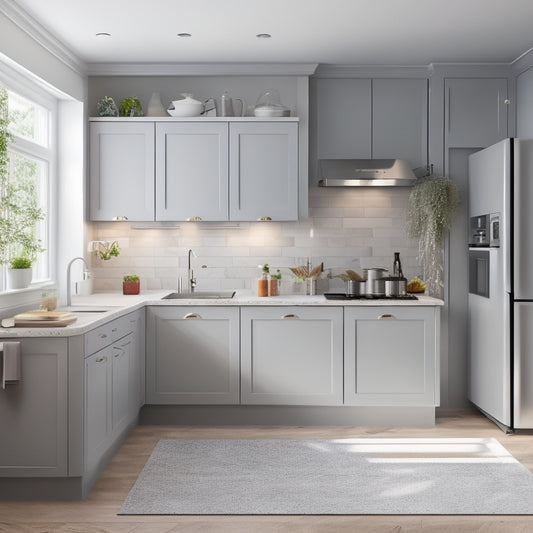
[356,32]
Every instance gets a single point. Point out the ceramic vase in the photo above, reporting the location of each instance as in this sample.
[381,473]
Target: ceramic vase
[155,107]
[18,278]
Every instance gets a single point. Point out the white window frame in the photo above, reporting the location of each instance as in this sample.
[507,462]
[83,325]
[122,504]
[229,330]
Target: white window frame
[27,88]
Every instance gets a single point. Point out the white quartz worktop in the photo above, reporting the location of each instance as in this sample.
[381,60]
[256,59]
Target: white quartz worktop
[99,308]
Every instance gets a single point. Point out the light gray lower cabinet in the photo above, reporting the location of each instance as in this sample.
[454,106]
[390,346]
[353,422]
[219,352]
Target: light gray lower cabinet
[113,377]
[192,355]
[33,413]
[390,356]
[291,355]
[107,386]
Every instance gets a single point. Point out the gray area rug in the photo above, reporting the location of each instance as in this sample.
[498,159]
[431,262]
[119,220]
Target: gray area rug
[342,476]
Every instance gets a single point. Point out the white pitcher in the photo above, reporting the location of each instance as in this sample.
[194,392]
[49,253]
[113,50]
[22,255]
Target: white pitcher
[226,109]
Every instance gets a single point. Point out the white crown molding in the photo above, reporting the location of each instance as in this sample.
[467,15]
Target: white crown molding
[471,70]
[201,69]
[372,71]
[42,36]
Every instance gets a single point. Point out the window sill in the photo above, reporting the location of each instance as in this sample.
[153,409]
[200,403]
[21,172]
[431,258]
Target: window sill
[17,298]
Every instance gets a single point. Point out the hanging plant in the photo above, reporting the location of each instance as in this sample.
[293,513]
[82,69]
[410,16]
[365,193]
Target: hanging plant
[433,204]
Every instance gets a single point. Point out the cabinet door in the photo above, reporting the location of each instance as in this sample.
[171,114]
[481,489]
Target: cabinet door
[264,171]
[192,355]
[33,413]
[291,355]
[137,363]
[476,112]
[98,402]
[192,171]
[121,384]
[390,356]
[344,118]
[400,120]
[122,170]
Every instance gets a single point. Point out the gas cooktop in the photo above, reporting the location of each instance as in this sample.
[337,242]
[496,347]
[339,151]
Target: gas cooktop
[344,296]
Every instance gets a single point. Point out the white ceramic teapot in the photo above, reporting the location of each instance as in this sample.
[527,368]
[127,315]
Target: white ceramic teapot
[189,107]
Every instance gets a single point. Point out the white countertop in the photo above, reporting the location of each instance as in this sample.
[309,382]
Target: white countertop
[112,305]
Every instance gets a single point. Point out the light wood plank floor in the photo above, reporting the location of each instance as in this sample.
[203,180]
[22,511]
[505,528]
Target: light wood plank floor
[97,514]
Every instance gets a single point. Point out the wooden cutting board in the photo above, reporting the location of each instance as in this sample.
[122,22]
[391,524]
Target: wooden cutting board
[44,319]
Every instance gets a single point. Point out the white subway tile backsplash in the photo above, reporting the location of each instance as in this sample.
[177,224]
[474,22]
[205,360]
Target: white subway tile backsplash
[347,228]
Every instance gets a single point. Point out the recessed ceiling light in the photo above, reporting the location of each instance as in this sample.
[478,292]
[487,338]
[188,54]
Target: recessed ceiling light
[103,34]
[184,35]
[263,35]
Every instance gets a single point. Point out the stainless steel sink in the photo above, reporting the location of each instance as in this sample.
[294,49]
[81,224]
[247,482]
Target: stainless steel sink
[199,295]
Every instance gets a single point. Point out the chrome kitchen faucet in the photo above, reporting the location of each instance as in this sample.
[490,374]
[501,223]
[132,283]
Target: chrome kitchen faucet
[191,280]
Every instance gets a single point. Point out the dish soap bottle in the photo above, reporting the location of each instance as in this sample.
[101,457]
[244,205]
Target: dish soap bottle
[397,266]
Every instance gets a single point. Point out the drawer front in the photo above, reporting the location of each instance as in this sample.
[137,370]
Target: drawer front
[108,333]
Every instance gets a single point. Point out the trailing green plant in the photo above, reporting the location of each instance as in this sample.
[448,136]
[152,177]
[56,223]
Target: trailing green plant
[20,262]
[433,204]
[19,210]
[131,277]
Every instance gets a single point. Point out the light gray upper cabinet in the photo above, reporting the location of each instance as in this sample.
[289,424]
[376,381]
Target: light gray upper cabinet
[33,413]
[390,356]
[291,355]
[216,170]
[400,120]
[373,118]
[344,118]
[476,112]
[263,171]
[192,170]
[121,170]
[192,355]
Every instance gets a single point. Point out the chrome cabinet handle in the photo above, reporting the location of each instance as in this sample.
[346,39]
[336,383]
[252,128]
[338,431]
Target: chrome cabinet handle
[101,359]
[386,316]
[290,315]
[264,219]
[113,330]
[194,219]
[192,315]
[103,335]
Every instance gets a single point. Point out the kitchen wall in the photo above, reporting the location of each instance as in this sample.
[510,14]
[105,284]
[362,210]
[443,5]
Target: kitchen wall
[347,228]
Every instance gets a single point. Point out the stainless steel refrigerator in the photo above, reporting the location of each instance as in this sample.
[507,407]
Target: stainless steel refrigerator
[500,298]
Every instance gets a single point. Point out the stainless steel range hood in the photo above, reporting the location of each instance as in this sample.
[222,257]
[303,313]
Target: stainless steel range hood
[365,173]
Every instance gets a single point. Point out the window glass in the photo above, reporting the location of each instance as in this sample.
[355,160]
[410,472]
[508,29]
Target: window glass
[25,187]
[28,120]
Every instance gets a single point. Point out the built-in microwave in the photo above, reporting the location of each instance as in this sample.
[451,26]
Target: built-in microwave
[485,231]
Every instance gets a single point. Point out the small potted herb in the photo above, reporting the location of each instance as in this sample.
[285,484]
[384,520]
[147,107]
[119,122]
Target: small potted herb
[131,284]
[19,273]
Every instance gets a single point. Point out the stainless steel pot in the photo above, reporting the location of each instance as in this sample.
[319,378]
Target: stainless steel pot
[395,286]
[353,287]
[375,284]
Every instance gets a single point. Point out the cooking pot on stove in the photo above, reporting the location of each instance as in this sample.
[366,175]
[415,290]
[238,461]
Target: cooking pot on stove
[375,282]
[395,286]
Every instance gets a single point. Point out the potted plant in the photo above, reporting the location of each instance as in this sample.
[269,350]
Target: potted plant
[433,203]
[19,273]
[131,284]
[19,210]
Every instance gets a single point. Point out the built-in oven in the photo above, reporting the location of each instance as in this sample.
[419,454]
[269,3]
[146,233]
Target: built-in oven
[479,272]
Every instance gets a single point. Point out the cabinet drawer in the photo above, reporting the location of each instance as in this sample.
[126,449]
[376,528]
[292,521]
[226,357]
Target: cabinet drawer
[108,333]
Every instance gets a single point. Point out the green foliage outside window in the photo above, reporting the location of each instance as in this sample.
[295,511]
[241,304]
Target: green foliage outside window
[19,200]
